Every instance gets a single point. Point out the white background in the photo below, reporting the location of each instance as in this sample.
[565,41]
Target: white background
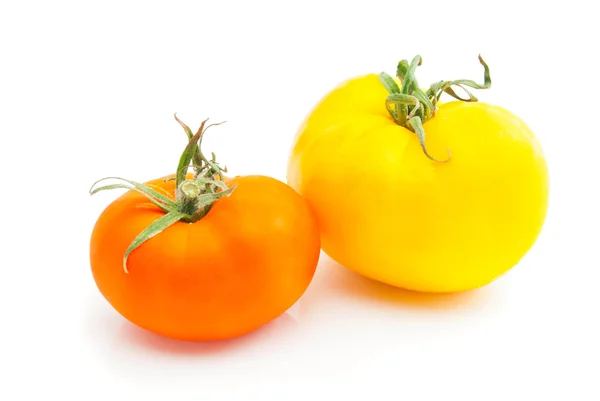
[88,90]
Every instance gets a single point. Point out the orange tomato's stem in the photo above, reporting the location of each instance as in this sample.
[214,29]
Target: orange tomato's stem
[195,202]
[193,198]
[189,191]
[411,107]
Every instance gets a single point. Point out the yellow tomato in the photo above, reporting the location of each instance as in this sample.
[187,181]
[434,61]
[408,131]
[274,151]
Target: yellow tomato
[392,214]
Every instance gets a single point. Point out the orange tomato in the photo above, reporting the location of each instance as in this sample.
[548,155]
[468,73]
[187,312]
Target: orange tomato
[235,269]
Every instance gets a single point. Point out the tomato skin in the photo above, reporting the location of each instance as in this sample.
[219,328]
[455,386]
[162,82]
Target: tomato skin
[391,214]
[239,267]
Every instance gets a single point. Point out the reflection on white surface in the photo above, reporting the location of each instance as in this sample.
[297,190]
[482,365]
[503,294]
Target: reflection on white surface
[130,338]
[336,282]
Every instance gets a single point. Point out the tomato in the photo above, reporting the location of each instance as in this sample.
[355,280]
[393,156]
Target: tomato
[242,263]
[447,203]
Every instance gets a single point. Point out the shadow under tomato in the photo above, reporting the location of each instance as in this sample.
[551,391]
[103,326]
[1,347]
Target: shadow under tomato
[131,336]
[335,280]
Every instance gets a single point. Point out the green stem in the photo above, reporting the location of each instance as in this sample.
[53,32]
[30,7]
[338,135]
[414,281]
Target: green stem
[155,228]
[193,198]
[188,194]
[411,107]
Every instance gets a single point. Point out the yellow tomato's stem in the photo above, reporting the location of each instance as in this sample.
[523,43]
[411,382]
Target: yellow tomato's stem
[411,107]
